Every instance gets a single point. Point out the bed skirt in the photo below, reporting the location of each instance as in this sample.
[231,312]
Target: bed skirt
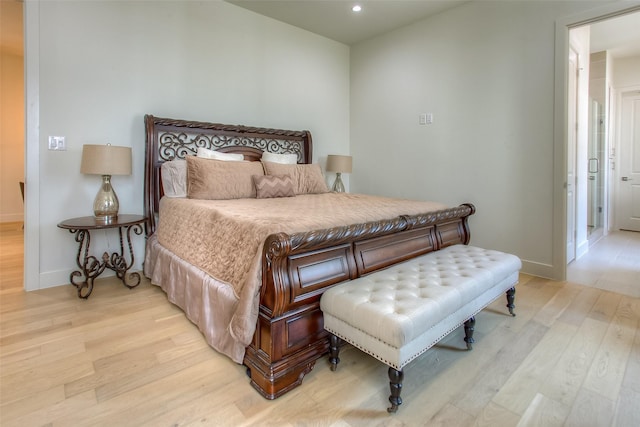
[207,302]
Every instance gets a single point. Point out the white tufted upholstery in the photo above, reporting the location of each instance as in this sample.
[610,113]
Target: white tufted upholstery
[398,313]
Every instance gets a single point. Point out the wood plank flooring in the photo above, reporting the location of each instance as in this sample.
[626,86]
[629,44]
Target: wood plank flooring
[612,264]
[125,357]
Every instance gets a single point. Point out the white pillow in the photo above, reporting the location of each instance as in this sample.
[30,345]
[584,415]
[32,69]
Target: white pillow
[205,153]
[285,159]
[174,178]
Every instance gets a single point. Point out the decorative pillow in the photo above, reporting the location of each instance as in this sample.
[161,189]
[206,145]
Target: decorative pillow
[269,186]
[287,159]
[205,153]
[307,179]
[174,178]
[220,180]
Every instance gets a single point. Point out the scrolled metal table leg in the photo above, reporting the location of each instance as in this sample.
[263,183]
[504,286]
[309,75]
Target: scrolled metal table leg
[89,265]
[118,261]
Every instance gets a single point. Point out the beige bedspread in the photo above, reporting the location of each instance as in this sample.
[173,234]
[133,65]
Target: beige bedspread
[224,238]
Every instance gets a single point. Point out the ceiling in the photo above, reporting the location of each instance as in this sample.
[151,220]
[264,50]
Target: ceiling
[335,20]
[620,35]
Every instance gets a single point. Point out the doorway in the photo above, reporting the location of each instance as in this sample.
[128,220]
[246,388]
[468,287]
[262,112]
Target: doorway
[597,146]
[11,113]
[628,176]
[596,176]
[595,165]
[12,159]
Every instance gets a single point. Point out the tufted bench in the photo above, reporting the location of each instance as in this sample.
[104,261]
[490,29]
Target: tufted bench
[400,312]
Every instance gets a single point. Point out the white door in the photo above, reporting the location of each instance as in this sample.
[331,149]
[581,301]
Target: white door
[572,141]
[628,206]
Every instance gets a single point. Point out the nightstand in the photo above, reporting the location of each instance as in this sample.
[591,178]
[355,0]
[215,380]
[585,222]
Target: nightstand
[90,266]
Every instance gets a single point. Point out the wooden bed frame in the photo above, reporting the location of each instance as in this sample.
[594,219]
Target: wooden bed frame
[297,268]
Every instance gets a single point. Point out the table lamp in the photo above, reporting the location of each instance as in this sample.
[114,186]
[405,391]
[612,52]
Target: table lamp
[339,165]
[106,160]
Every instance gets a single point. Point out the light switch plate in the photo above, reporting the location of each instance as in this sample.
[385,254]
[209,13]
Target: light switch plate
[57,143]
[429,118]
[426,118]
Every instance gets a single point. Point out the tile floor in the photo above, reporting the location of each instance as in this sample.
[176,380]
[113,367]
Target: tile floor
[613,264]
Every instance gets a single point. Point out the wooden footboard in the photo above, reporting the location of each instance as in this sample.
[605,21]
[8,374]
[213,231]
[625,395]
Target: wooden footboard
[298,268]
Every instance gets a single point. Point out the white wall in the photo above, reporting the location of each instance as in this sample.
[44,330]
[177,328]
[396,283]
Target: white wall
[486,72]
[11,136]
[104,64]
[626,72]
[598,76]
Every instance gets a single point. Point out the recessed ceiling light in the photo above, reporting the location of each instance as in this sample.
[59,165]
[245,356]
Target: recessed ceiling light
[356,8]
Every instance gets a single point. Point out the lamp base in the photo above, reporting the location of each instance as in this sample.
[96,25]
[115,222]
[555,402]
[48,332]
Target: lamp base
[338,186]
[106,205]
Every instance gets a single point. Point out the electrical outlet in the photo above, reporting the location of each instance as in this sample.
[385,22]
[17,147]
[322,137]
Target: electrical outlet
[57,143]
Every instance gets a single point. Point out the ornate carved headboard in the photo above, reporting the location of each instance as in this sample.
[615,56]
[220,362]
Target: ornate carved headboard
[171,139]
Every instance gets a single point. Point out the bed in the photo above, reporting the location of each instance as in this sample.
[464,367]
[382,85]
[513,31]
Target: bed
[249,270]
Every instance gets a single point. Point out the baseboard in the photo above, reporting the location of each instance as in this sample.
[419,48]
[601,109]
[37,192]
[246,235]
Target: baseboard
[539,269]
[582,249]
[52,279]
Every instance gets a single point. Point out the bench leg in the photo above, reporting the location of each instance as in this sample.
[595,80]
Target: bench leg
[511,296]
[334,350]
[469,327]
[395,383]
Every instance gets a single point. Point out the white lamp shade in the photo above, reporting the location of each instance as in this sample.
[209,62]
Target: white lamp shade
[106,160]
[337,163]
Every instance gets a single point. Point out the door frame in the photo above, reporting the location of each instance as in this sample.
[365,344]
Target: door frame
[572,149]
[31,17]
[563,25]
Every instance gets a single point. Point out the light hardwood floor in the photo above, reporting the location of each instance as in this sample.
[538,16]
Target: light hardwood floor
[613,264]
[124,357]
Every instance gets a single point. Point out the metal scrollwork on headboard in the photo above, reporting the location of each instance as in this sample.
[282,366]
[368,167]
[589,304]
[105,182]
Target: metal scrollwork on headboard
[178,145]
[171,139]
